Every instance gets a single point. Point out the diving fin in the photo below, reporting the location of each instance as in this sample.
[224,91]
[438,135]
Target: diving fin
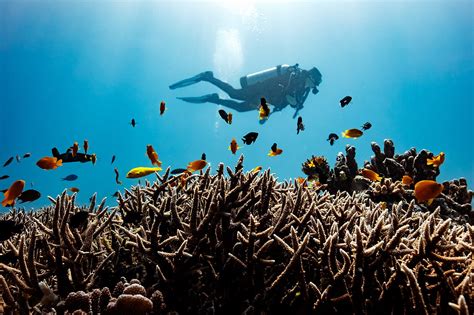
[200,99]
[193,80]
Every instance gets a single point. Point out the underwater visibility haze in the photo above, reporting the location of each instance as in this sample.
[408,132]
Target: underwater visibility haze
[84,70]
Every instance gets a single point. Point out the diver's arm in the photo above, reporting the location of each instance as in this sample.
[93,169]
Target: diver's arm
[300,101]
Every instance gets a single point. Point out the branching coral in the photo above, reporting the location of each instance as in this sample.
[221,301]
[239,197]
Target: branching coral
[241,243]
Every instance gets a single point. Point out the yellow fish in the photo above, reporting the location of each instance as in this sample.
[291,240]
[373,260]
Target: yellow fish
[138,172]
[427,190]
[352,133]
[256,169]
[436,161]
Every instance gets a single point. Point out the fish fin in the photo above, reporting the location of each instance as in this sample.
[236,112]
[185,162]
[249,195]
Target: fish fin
[59,162]
[429,162]
[429,201]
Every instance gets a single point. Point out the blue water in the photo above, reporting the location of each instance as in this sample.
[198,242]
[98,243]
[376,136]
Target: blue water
[72,71]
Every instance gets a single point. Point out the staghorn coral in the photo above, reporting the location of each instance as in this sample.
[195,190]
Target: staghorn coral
[243,243]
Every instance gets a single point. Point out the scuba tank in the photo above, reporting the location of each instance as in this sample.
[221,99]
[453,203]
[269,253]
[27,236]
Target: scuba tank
[264,75]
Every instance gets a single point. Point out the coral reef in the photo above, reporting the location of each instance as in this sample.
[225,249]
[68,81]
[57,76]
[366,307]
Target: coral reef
[245,243]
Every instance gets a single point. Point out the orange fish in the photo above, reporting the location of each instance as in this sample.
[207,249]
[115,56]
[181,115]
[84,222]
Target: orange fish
[264,110]
[184,178]
[427,190]
[233,146]
[86,146]
[152,155]
[352,133]
[74,189]
[229,118]
[275,151]
[162,107]
[436,161]
[93,158]
[373,176]
[302,181]
[407,180]
[13,192]
[75,148]
[256,169]
[49,163]
[196,165]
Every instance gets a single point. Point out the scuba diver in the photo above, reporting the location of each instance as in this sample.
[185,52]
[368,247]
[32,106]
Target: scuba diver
[281,86]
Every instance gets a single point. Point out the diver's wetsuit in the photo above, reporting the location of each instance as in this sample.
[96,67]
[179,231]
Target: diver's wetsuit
[274,89]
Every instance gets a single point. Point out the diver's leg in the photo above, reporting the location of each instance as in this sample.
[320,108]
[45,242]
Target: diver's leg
[192,80]
[238,94]
[214,98]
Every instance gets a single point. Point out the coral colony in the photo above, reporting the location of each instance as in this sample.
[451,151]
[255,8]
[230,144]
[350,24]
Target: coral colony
[242,243]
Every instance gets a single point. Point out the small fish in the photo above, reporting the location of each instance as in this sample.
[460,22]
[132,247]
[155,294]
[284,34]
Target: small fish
[13,192]
[366,126]
[407,180]
[138,172]
[196,165]
[8,228]
[184,178]
[274,150]
[264,110]
[178,171]
[373,176]
[3,190]
[233,146]
[299,125]
[4,177]
[229,118]
[162,107]
[17,158]
[256,169]
[75,148]
[250,138]
[436,161]
[152,155]
[74,189]
[203,156]
[132,217]
[79,218]
[93,158]
[26,155]
[352,133]
[427,190]
[8,161]
[70,177]
[49,163]
[224,115]
[302,181]
[345,101]
[133,122]
[332,137]
[113,159]
[117,176]
[86,146]
[116,194]
[29,195]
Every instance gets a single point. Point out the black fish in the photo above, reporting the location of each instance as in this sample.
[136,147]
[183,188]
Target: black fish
[29,195]
[4,177]
[223,115]
[367,126]
[274,147]
[345,101]
[116,194]
[332,137]
[79,218]
[26,155]
[71,177]
[117,176]
[67,157]
[263,103]
[250,138]
[132,217]
[113,159]
[3,190]
[8,161]
[299,125]
[8,228]
[133,122]
[178,171]
[203,156]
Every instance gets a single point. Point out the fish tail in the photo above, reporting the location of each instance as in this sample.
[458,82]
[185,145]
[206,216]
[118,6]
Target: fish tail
[59,162]
[429,162]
